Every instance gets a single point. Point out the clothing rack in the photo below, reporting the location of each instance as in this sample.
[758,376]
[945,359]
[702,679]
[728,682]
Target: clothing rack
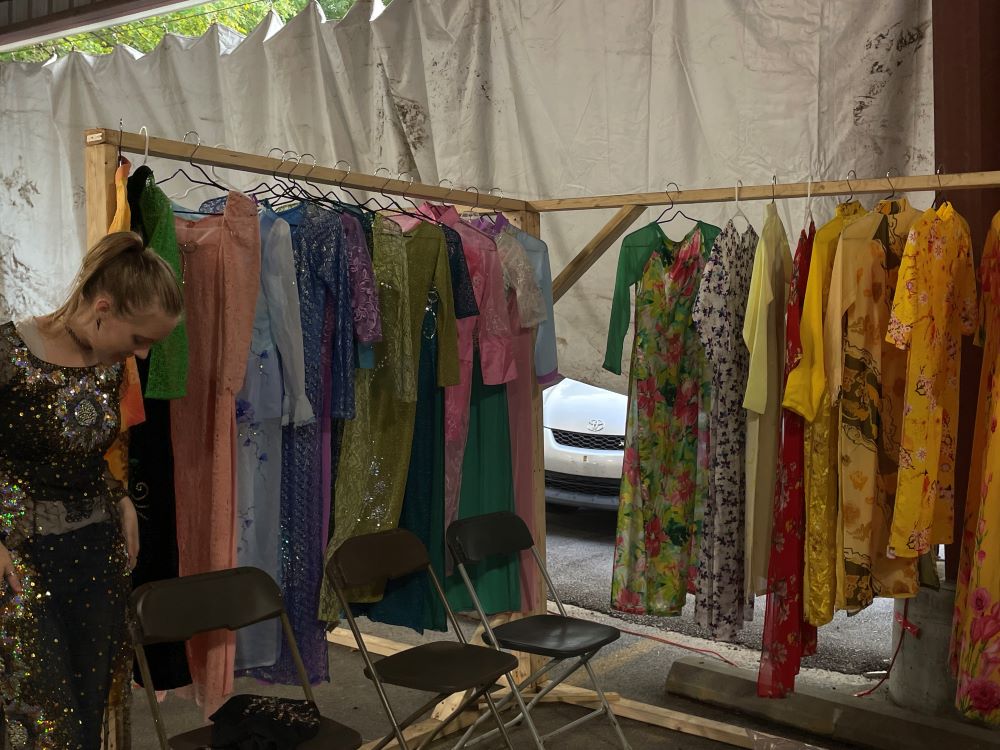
[101,152]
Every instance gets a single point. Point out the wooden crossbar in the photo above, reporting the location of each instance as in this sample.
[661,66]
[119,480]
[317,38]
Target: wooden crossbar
[136,143]
[888,185]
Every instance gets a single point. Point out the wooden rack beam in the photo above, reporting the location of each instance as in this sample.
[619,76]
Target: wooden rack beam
[136,143]
[916,183]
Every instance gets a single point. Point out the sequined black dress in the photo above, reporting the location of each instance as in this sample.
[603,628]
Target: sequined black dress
[64,651]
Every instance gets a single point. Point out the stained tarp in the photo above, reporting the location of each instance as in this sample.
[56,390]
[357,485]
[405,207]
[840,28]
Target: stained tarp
[538,98]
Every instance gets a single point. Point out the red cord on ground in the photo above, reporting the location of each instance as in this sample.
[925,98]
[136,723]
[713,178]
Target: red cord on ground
[905,627]
[664,641]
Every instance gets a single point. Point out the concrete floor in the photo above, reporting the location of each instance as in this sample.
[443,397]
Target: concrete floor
[635,667]
[580,548]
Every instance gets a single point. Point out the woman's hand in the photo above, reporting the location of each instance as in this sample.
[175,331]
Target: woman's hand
[7,571]
[130,528]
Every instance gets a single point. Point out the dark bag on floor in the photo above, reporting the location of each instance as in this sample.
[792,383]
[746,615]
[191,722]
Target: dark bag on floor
[259,722]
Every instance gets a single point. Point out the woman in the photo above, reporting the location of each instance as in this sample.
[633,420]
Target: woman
[68,531]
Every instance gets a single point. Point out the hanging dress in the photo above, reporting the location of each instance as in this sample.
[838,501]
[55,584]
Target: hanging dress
[975,642]
[411,602]
[323,283]
[527,310]
[806,394]
[655,549]
[151,457]
[718,314]
[862,373]
[221,277]
[934,305]
[764,335]
[411,269]
[273,394]
[787,636]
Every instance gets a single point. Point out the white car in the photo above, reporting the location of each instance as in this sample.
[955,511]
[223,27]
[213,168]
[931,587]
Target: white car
[584,434]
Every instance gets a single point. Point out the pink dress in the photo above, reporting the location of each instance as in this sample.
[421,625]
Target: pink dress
[526,310]
[221,257]
[493,331]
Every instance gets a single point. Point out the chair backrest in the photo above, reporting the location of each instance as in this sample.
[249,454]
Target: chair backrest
[179,608]
[375,558]
[479,537]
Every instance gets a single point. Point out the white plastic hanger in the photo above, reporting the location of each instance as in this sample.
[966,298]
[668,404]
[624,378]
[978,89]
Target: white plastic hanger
[739,209]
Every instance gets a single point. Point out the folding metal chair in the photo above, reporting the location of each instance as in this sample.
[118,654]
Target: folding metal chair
[440,667]
[178,608]
[560,637]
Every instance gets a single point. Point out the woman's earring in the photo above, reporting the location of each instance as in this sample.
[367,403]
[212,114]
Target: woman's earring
[98,324]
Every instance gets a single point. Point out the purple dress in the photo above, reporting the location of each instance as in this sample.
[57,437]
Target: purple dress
[323,283]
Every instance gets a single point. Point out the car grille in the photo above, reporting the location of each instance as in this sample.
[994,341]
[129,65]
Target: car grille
[587,440]
[584,485]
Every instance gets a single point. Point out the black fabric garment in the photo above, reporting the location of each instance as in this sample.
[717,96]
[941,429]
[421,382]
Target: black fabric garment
[134,187]
[258,722]
[79,621]
[461,281]
[151,486]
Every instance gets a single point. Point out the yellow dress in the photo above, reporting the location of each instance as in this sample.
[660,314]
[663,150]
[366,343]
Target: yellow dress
[975,644]
[862,377]
[806,394]
[764,335]
[935,304]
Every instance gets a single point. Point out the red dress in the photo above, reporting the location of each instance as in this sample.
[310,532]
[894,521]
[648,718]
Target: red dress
[787,635]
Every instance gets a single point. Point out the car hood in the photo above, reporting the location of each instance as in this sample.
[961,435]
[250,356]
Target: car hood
[573,406]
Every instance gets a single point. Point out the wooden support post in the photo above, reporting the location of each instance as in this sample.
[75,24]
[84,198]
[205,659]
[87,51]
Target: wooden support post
[100,160]
[594,249]
[530,222]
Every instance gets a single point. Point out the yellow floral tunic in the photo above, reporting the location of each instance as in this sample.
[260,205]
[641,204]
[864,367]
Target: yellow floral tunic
[935,304]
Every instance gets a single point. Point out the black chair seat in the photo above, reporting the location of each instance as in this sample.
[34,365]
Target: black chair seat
[332,736]
[555,635]
[444,667]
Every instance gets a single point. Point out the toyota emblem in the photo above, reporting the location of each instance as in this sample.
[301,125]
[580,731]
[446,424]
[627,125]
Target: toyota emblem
[595,425]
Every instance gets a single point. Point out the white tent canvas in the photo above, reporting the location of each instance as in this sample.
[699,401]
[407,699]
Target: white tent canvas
[540,99]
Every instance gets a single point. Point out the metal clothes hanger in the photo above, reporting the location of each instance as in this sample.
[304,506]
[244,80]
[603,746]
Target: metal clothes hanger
[774,184]
[121,134]
[679,212]
[892,187]
[850,186]
[939,194]
[492,216]
[278,189]
[207,182]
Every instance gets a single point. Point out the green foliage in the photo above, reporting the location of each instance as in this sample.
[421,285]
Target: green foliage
[145,34]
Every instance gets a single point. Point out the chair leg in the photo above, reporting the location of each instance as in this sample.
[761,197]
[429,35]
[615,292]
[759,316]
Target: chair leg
[604,701]
[400,727]
[516,692]
[498,719]
[468,740]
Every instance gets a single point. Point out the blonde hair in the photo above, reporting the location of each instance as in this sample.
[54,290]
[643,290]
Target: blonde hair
[134,277]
